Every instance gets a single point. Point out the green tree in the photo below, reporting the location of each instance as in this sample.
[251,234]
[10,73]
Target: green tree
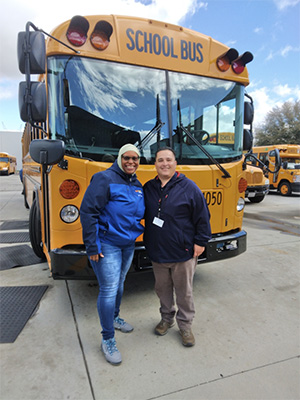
[281,125]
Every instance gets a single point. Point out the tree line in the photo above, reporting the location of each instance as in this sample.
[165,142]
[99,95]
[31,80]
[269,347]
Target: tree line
[280,126]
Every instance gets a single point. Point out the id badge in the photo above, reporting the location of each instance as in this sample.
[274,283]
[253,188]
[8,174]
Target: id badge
[158,222]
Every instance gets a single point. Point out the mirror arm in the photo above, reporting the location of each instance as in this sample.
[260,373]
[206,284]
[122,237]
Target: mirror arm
[263,166]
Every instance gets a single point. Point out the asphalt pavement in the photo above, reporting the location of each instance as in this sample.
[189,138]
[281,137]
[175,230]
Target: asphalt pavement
[247,325]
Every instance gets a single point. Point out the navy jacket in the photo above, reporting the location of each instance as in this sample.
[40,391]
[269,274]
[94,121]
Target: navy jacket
[185,215]
[111,210]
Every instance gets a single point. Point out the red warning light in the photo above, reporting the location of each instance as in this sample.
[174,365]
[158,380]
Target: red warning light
[77,31]
[238,65]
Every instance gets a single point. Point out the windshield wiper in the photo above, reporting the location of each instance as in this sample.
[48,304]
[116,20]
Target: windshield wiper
[155,130]
[197,143]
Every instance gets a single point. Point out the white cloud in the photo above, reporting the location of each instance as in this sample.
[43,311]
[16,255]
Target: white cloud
[282,4]
[258,30]
[283,52]
[8,90]
[282,90]
[11,22]
[265,99]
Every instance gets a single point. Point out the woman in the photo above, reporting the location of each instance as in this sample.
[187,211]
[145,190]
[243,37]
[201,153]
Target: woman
[110,214]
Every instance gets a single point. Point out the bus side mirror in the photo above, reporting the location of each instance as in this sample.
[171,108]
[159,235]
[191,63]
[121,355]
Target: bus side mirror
[248,113]
[278,162]
[32,46]
[47,151]
[32,102]
[284,165]
[247,140]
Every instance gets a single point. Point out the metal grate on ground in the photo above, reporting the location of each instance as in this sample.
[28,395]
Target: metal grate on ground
[14,237]
[11,225]
[17,256]
[17,304]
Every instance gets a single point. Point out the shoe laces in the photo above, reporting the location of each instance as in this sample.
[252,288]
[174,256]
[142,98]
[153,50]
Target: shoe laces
[111,345]
[120,321]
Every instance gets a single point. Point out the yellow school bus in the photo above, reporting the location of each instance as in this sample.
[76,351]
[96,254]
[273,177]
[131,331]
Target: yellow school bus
[8,164]
[287,179]
[108,80]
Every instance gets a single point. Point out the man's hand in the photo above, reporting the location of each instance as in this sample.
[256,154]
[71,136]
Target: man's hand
[198,250]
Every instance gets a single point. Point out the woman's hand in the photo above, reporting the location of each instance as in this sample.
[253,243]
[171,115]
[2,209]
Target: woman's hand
[95,257]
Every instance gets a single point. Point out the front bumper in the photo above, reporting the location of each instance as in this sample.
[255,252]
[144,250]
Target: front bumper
[295,187]
[74,264]
[256,191]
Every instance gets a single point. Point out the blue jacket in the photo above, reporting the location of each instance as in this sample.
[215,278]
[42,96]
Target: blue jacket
[185,215]
[111,210]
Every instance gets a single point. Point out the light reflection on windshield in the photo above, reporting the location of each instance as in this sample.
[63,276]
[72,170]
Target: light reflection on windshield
[97,106]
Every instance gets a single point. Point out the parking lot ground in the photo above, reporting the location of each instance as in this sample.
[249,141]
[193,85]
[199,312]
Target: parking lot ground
[247,325]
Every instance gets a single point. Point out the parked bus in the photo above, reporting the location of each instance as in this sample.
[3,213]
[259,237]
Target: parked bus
[110,80]
[8,164]
[287,179]
[258,184]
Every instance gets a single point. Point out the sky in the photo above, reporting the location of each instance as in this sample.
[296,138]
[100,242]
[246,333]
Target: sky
[269,29]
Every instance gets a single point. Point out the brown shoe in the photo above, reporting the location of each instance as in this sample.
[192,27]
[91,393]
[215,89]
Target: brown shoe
[162,328]
[188,339]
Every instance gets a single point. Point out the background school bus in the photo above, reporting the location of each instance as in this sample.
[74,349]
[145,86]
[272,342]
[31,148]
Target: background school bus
[287,179]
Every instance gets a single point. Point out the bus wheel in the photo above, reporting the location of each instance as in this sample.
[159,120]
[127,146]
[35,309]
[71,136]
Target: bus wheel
[285,189]
[256,199]
[35,230]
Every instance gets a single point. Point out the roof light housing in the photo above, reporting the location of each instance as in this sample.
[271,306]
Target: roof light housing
[100,37]
[225,60]
[238,65]
[77,31]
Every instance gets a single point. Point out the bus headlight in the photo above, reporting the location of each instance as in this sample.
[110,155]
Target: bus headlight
[69,214]
[240,204]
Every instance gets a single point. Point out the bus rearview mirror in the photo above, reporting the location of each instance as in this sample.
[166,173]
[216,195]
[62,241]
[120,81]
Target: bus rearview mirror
[35,49]
[47,151]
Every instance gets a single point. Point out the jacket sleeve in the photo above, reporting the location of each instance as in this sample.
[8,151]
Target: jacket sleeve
[201,218]
[95,199]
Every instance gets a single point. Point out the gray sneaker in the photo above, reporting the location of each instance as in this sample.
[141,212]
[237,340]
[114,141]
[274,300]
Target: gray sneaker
[122,326]
[111,353]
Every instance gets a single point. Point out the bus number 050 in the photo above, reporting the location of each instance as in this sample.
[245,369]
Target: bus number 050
[213,198]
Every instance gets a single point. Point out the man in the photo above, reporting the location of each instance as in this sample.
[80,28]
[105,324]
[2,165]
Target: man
[177,229]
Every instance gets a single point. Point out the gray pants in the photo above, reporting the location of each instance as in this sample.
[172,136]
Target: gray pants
[178,277]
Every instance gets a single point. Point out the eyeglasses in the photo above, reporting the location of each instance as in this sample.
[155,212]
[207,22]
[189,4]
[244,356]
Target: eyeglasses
[134,158]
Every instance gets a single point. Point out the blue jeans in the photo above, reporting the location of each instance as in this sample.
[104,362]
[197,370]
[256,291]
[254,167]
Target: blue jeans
[111,272]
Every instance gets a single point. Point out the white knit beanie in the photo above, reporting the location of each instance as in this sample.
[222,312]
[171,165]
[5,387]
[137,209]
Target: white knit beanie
[124,149]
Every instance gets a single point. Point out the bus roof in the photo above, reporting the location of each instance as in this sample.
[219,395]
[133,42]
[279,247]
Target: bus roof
[149,43]
[284,149]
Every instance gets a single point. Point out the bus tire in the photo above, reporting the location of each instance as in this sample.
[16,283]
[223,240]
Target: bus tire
[285,188]
[256,199]
[35,230]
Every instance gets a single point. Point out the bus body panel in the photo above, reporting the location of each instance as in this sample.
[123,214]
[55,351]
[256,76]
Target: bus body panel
[153,43]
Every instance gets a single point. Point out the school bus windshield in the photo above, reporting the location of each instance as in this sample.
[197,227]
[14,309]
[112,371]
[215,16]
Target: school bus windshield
[97,106]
